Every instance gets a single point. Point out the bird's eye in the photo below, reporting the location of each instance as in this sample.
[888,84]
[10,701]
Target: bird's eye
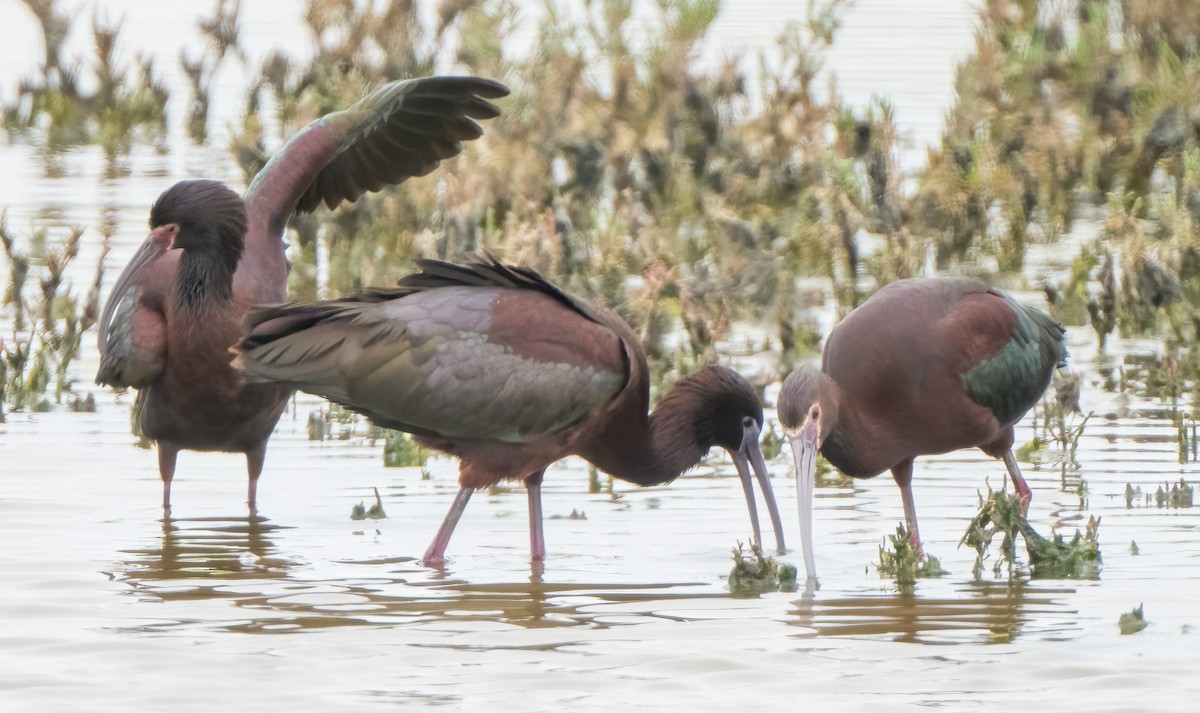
[815,413]
[747,422]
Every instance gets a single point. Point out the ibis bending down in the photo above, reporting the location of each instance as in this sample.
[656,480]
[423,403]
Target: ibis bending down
[924,366]
[177,308]
[495,365]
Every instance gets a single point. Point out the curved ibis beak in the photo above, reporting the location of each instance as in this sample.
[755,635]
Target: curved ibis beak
[749,456]
[805,444]
[151,249]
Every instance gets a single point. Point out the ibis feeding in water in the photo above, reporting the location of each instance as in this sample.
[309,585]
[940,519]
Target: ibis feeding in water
[924,366]
[497,366]
[177,308]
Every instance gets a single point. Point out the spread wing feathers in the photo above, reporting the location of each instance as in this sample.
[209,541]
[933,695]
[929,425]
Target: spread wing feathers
[414,364]
[1012,381]
[401,130]
[132,334]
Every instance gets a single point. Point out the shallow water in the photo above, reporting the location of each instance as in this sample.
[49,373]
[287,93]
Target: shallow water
[104,606]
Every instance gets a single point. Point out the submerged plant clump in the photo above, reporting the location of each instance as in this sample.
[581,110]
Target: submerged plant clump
[1180,494]
[1049,558]
[1133,621]
[756,573]
[375,512]
[1175,495]
[904,563]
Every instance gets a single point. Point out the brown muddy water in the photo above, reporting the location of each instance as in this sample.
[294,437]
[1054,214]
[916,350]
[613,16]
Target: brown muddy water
[104,606]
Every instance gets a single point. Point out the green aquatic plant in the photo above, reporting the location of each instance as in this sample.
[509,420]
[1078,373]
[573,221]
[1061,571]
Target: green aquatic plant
[400,450]
[47,329]
[1050,558]
[18,273]
[1056,558]
[1189,444]
[1030,451]
[59,110]
[316,427]
[1132,621]
[221,31]
[375,512]
[903,562]
[755,573]
[1174,495]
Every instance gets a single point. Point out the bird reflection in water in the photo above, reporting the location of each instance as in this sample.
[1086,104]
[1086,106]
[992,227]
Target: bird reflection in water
[977,612]
[216,549]
[237,560]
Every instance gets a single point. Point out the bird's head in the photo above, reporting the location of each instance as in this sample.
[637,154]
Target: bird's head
[808,409]
[807,405]
[724,410]
[201,216]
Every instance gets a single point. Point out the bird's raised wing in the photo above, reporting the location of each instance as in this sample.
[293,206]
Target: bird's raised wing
[480,363]
[401,130]
[133,327]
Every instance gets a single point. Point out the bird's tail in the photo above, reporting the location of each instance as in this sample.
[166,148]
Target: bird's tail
[1053,337]
[290,343]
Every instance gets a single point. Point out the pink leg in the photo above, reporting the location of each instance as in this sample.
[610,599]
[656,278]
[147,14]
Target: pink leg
[166,470]
[254,465]
[1023,490]
[537,540]
[902,474]
[436,554]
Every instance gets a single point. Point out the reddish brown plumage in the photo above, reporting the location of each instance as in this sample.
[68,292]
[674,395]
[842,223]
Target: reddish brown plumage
[177,308]
[924,366]
[171,320]
[495,365]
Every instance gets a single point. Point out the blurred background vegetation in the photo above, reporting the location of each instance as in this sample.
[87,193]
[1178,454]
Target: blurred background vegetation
[691,199]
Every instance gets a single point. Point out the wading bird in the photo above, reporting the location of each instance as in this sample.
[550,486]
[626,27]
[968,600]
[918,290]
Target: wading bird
[177,308]
[924,366]
[495,365]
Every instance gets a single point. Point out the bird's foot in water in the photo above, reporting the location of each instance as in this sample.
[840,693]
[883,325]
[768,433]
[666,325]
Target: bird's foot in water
[434,558]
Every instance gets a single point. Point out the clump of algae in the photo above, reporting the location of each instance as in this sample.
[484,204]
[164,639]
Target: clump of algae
[903,562]
[1049,558]
[375,512]
[1133,621]
[755,573]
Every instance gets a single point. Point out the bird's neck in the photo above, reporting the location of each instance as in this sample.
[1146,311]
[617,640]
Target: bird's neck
[654,449]
[847,435]
[205,281]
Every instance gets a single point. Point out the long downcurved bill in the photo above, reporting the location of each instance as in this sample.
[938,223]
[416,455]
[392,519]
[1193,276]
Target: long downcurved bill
[155,245]
[749,456]
[804,450]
